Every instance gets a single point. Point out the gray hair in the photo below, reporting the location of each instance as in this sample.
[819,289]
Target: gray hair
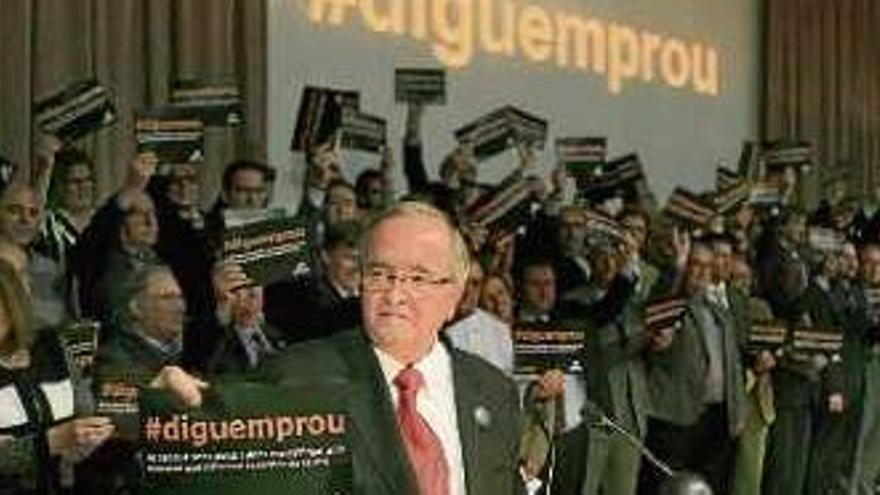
[461,261]
[132,289]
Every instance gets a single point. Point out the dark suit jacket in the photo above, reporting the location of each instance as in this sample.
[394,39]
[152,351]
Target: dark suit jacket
[309,309]
[130,355]
[864,228]
[230,356]
[781,278]
[490,450]
[677,374]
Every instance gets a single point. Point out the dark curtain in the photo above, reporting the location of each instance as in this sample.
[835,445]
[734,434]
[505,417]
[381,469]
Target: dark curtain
[823,85]
[137,48]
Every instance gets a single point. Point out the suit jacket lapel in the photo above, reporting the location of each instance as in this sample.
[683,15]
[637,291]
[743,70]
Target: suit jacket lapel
[467,392]
[373,419]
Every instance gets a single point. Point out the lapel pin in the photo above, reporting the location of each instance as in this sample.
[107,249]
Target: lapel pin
[482,417]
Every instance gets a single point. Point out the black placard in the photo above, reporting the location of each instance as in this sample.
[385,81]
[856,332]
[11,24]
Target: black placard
[425,86]
[617,176]
[767,336]
[363,132]
[215,105]
[726,178]
[727,200]
[783,153]
[269,250]
[765,195]
[505,210]
[76,111]
[539,347]
[80,341]
[817,341]
[320,115]
[173,134]
[603,228]
[688,208]
[664,314]
[502,129]
[582,155]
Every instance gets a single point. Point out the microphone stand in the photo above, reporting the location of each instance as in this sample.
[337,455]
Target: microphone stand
[672,476]
[605,421]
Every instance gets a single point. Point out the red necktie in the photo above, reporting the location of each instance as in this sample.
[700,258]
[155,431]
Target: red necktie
[422,445]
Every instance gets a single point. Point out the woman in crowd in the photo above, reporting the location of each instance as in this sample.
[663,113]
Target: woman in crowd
[497,297]
[37,419]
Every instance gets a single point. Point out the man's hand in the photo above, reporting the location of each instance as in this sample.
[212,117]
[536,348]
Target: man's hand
[819,362]
[503,251]
[764,362]
[558,179]
[549,385]
[186,387]
[83,434]
[227,279]
[476,235]
[629,252]
[661,339]
[46,145]
[681,246]
[45,148]
[141,170]
[836,403]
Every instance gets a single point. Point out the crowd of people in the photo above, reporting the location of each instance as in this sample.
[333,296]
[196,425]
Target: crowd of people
[411,273]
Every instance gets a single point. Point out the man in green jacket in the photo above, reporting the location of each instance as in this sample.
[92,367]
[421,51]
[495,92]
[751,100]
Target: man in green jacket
[695,378]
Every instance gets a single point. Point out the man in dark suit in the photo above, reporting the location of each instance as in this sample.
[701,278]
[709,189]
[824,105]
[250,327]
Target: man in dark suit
[866,466]
[327,301]
[247,338]
[797,387]
[839,408]
[425,419]
[781,268]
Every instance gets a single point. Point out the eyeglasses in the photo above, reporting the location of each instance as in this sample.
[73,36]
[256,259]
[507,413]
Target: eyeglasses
[180,179]
[167,297]
[382,279]
[19,210]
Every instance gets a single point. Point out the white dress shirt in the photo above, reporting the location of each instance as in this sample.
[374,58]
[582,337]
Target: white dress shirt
[483,334]
[436,403]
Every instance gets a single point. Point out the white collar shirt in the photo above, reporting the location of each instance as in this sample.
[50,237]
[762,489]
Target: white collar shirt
[435,403]
[486,336]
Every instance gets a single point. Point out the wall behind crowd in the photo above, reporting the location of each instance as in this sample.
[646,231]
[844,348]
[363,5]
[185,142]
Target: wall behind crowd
[138,49]
[642,99]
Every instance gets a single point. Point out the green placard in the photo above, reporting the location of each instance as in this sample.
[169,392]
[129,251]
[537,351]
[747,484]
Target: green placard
[247,439]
